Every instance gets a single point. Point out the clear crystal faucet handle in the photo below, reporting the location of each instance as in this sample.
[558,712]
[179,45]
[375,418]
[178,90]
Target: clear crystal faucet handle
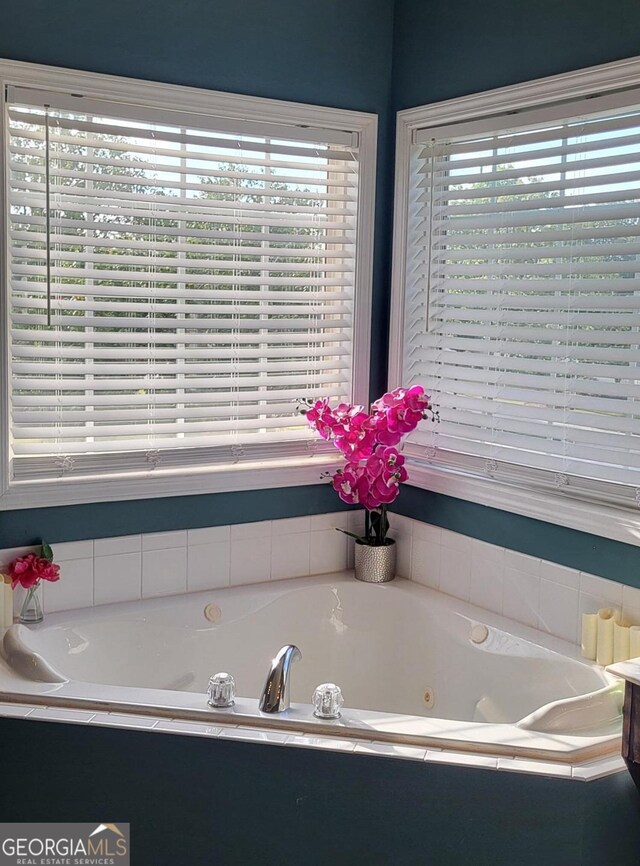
[222,690]
[327,701]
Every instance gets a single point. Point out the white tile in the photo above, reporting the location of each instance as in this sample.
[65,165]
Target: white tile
[250,563]
[332,743]
[403,555]
[17,710]
[558,613]
[427,532]
[401,525]
[208,535]
[164,540]
[631,605]
[599,769]
[328,551]
[590,604]
[290,555]
[8,554]
[121,544]
[259,529]
[117,578]
[425,563]
[521,596]
[122,720]
[522,562]
[253,734]
[389,750]
[487,580]
[465,759]
[482,550]
[164,572]
[608,591]
[401,531]
[290,524]
[455,572]
[356,521]
[74,589]
[455,541]
[192,728]
[540,768]
[333,520]
[208,566]
[72,550]
[55,714]
[560,574]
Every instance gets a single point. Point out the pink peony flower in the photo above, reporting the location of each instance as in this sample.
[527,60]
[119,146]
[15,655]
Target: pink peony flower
[28,570]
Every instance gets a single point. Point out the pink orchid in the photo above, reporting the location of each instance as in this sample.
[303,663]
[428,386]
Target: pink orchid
[375,468]
[398,413]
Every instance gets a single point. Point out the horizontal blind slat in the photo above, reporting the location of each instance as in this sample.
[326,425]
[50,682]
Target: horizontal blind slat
[202,283]
[522,291]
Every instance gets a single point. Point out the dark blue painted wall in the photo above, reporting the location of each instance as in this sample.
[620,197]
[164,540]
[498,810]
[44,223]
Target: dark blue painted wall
[449,48]
[329,53]
[337,54]
[195,801]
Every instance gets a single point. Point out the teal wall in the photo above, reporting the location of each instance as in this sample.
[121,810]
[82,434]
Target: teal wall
[330,53]
[449,48]
[591,553]
[193,801]
[357,55]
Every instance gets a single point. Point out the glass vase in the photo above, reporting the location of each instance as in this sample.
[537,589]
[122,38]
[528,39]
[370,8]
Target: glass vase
[31,610]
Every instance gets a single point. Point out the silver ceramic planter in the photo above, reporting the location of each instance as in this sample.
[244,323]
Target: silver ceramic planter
[375,564]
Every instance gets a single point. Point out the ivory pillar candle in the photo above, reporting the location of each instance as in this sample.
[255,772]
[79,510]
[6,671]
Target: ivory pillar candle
[589,635]
[620,642]
[604,649]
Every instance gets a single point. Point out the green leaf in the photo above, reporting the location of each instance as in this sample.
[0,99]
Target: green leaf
[360,538]
[47,552]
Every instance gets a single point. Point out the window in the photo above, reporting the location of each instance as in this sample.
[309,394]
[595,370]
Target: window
[177,281]
[518,299]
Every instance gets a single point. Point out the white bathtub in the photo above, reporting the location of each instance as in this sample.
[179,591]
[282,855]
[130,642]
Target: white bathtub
[517,692]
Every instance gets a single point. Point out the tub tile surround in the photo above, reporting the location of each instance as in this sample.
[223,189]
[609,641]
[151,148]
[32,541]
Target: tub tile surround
[532,591]
[584,772]
[133,567]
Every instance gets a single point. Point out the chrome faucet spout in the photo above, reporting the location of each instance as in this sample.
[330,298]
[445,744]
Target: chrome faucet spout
[275,694]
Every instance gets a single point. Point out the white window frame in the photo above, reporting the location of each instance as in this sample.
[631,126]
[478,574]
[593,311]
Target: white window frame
[280,471]
[496,489]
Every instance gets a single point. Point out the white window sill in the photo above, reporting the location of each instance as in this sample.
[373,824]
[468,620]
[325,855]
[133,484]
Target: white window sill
[154,483]
[557,507]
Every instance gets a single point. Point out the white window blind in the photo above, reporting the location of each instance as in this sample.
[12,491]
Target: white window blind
[177,283]
[522,299]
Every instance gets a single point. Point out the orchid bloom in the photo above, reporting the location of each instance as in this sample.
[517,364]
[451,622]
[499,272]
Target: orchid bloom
[375,468]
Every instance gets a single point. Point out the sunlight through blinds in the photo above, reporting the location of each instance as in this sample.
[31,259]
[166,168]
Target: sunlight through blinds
[201,282]
[522,295]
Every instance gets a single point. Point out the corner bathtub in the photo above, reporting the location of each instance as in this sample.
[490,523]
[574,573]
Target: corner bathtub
[415,666]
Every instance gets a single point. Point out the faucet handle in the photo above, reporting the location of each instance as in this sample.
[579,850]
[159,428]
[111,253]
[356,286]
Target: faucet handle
[222,690]
[327,701]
